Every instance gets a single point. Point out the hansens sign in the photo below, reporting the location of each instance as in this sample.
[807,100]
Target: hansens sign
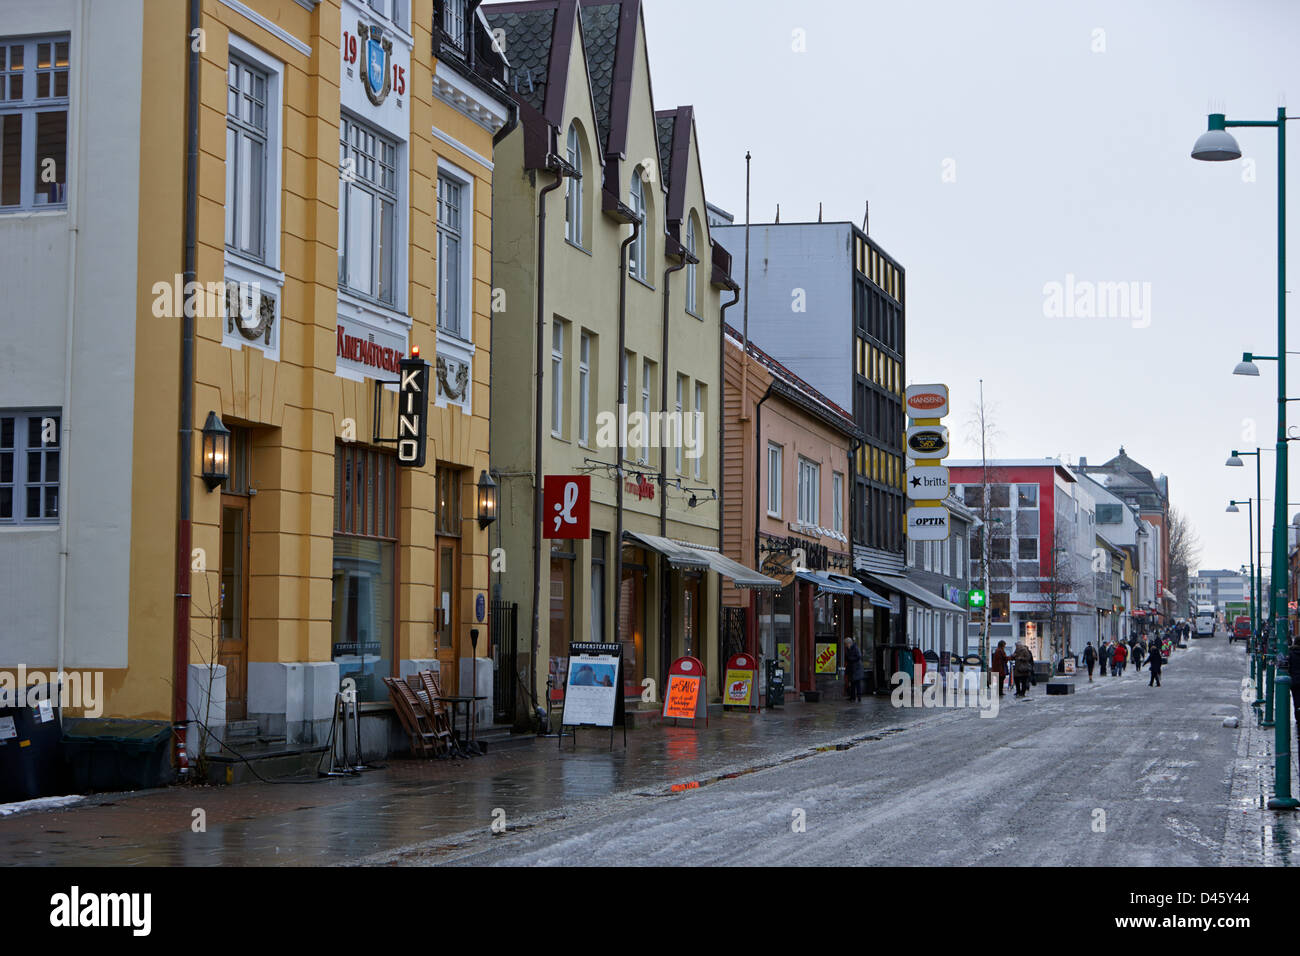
[413,412]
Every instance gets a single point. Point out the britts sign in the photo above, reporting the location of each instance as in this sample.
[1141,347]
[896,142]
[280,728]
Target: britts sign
[412,412]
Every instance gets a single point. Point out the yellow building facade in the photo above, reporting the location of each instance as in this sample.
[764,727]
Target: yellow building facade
[342,222]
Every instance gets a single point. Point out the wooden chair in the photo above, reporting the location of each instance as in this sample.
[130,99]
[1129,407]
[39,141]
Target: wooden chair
[438,713]
[415,721]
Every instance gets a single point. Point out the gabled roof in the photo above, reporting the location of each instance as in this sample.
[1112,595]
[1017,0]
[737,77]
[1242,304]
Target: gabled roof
[529,29]
[600,26]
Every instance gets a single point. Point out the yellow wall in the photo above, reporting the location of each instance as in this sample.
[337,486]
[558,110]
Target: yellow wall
[297,406]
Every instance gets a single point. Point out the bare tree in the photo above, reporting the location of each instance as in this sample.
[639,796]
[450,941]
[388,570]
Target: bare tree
[1184,555]
[1063,585]
[981,427]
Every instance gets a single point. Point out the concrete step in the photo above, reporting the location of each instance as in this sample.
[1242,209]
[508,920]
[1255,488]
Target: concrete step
[241,729]
[268,759]
[499,737]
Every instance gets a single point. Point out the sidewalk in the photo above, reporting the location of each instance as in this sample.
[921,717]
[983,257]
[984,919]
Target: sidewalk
[1255,835]
[326,821]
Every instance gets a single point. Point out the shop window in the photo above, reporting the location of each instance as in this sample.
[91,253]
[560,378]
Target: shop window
[34,97]
[30,446]
[364,582]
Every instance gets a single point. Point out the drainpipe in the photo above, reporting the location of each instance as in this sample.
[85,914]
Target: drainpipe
[65,442]
[618,462]
[758,460]
[553,165]
[687,259]
[184,469]
[722,458]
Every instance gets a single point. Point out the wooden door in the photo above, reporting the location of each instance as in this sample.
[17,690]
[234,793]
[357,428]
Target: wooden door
[232,647]
[448,650]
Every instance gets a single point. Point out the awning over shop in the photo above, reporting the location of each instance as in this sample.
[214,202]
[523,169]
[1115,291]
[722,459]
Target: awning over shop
[841,584]
[681,554]
[737,573]
[678,555]
[895,582]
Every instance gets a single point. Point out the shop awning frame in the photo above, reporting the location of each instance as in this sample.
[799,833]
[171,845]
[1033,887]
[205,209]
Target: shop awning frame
[833,583]
[693,557]
[910,589]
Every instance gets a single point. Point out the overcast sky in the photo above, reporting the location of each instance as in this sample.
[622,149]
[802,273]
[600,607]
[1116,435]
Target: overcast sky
[1004,146]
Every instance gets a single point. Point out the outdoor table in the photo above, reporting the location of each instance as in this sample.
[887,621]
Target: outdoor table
[467,744]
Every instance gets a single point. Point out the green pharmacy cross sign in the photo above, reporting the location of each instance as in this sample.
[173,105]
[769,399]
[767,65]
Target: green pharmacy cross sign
[975,598]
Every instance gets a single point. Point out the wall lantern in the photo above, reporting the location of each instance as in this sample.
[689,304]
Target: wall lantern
[216,452]
[487,500]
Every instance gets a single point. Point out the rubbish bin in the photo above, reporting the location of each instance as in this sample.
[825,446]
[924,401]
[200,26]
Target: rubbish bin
[113,753]
[29,752]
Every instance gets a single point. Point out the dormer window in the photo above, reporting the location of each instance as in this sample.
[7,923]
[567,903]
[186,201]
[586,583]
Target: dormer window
[454,19]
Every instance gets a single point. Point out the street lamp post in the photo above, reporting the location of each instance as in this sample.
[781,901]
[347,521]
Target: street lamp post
[1234,461]
[1251,516]
[1218,145]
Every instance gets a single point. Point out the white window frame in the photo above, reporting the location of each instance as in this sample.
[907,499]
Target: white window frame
[700,399]
[692,280]
[637,250]
[557,379]
[236,176]
[775,454]
[584,387]
[27,109]
[20,481]
[573,189]
[397,196]
[647,381]
[462,327]
[810,476]
[837,509]
[266,272]
[681,396]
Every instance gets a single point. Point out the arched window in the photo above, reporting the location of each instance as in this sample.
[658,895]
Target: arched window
[692,287]
[636,262]
[573,190]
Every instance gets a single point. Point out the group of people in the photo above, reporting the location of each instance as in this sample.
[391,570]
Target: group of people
[1017,666]
[1151,649]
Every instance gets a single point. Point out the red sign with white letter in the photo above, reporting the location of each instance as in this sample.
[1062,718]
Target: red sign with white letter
[567,506]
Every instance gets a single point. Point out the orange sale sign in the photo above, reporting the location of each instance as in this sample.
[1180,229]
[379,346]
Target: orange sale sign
[682,697]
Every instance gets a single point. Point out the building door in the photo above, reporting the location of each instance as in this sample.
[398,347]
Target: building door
[691,646]
[232,649]
[448,612]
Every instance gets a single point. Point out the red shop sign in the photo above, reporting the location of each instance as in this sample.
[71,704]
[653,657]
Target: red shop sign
[567,506]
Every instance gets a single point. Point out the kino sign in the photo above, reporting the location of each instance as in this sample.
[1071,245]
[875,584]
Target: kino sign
[412,412]
[927,445]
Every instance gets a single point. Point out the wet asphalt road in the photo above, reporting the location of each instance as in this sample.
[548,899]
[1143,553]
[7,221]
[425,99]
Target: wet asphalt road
[1118,774]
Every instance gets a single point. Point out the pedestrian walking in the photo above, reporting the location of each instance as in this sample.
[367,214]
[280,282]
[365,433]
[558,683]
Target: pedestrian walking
[1118,659]
[1103,657]
[1157,662]
[1024,669]
[1139,655]
[999,664]
[853,663]
[1090,659]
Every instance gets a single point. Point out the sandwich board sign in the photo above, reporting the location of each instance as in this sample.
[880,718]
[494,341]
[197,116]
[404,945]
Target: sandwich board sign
[593,689]
[683,699]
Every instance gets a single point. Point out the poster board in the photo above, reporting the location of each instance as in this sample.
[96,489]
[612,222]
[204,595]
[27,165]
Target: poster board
[684,695]
[738,689]
[826,659]
[593,689]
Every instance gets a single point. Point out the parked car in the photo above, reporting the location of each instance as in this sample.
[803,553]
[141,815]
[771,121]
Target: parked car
[1240,629]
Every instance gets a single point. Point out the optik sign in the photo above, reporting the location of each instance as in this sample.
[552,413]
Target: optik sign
[413,412]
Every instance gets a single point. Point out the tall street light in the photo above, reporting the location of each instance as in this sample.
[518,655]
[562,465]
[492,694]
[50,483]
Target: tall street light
[1234,461]
[1218,145]
[1255,674]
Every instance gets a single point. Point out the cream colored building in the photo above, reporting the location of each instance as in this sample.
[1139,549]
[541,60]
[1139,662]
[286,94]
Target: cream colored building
[343,185]
[591,156]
